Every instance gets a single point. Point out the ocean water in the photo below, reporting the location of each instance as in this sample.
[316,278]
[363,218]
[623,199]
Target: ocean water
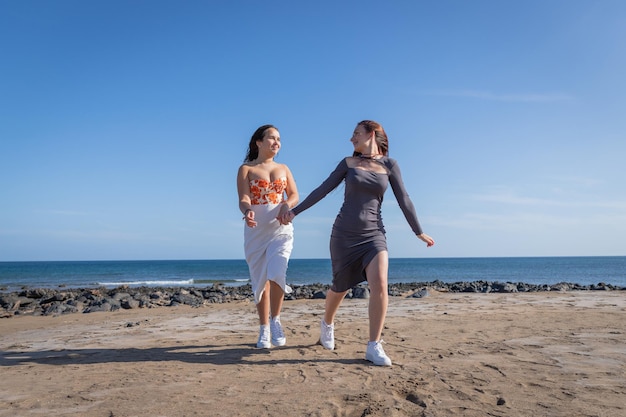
[537,270]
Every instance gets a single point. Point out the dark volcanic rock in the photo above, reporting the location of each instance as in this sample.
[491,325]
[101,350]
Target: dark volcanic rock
[45,301]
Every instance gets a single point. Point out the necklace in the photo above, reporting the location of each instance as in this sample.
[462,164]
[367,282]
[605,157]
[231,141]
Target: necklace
[372,157]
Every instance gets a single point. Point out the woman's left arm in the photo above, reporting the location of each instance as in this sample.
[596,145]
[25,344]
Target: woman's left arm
[406,205]
[292,195]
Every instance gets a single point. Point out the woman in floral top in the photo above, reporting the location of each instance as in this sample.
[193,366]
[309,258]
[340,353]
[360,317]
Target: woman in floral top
[267,191]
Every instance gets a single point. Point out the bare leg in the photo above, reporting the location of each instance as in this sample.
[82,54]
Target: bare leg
[277,295]
[333,301]
[263,307]
[377,271]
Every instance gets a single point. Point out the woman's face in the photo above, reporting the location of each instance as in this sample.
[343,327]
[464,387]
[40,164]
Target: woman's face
[359,138]
[270,142]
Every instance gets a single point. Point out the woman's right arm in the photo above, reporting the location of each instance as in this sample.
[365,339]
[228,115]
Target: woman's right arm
[334,179]
[245,202]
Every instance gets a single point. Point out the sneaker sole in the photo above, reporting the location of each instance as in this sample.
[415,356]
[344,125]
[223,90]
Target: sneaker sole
[378,363]
[326,347]
[282,342]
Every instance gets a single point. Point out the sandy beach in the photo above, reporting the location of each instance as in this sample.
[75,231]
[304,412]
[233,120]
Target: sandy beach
[522,354]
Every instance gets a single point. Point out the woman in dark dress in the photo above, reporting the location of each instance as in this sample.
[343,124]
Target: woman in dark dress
[358,247]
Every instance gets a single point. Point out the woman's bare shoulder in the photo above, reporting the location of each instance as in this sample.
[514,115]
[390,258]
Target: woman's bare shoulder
[245,168]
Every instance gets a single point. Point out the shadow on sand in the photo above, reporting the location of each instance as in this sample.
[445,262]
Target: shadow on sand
[217,355]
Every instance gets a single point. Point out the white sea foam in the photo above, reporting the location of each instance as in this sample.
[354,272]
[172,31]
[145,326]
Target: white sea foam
[149,283]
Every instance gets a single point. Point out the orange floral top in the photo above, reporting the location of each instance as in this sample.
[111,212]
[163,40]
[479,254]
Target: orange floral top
[267,192]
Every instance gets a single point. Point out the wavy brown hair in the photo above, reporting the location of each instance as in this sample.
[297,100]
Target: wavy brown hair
[253,148]
[379,134]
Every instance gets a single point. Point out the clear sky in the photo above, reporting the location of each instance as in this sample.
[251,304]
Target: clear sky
[123,123]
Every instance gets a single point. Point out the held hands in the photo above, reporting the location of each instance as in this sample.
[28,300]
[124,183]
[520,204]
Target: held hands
[285,216]
[425,238]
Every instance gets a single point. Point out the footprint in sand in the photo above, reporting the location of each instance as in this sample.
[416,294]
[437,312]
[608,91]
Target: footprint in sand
[295,376]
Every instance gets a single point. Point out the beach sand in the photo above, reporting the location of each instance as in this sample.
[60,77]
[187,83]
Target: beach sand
[524,354]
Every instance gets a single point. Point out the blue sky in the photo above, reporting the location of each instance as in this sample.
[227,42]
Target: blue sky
[123,123]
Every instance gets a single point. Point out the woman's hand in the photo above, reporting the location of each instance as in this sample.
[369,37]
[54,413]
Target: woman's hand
[284,209]
[249,218]
[425,238]
[286,217]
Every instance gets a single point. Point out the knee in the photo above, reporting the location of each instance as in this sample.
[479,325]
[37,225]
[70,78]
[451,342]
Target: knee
[377,289]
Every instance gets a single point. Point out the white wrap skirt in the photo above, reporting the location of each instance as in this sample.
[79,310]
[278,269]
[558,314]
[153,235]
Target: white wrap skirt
[267,248]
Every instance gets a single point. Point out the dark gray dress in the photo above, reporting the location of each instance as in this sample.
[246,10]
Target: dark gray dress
[358,233]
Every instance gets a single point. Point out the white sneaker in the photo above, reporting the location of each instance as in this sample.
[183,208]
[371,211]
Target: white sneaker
[376,354]
[327,335]
[264,337]
[278,336]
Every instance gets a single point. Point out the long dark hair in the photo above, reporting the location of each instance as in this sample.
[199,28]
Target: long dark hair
[253,148]
[379,134]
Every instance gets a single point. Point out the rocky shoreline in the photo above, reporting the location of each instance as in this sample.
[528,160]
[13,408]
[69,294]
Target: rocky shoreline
[55,302]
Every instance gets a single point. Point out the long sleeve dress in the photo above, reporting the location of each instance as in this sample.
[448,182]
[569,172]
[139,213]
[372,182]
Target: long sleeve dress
[358,233]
